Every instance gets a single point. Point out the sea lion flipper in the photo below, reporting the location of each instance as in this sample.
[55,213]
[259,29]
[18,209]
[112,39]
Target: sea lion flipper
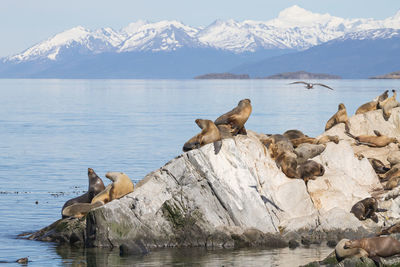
[377,133]
[217,146]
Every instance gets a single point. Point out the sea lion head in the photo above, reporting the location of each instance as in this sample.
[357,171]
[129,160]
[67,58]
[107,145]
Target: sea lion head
[201,123]
[244,102]
[113,176]
[341,106]
[350,244]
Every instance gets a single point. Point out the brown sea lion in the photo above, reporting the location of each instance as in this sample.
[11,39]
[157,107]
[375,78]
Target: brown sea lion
[78,210]
[378,140]
[392,183]
[341,253]
[382,246]
[275,149]
[388,104]
[309,169]
[209,134]
[96,185]
[121,185]
[236,118]
[393,172]
[287,161]
[328,138]
[294,134]
[378,166]
[303,140]
[366,208]
[339,117]
[395,228]
[373,105]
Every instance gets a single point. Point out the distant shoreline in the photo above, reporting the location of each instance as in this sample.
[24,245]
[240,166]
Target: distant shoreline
[280,76]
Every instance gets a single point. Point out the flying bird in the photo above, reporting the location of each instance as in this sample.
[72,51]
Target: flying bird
[311,85]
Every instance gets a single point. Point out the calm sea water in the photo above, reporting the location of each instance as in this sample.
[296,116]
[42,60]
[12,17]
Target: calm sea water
[51,131]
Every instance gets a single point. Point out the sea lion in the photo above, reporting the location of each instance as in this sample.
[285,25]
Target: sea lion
[236,118]
[287,161]
[366,208]
[395,228]
[392,183]
[275,149]
[381,246]
[307,151]
[294,134]
[96,185]
[378,140]
[209,134]
[393,172]
[342,253]
[373,105]
[121,185]
[303,140]
[388,104]
[328,138]
[309,169]
[339,117]
[378,166]
[78,210]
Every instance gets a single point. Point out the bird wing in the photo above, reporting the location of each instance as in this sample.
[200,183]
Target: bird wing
[323,85]
[298,82]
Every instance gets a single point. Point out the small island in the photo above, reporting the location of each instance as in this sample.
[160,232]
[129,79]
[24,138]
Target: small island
[224,76]
[301,75]
[392,75]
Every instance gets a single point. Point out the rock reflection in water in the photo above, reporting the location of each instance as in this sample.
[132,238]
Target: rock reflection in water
[193,257]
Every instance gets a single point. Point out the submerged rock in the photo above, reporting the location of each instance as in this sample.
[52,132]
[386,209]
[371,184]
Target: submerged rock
[239,198]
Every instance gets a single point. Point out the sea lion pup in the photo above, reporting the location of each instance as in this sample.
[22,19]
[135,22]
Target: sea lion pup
[96,185]
[341,253]
[121,185]
[388,104]
[287,161]
[236,118]
[309,169]
[378,140]
[339,117]
[378,166]
[373,105]
[381,246]
[294,134]
[366,208]
[209,134]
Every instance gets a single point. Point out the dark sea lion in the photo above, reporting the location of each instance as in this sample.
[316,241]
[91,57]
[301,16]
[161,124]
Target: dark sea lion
[373,105]
[96,185]
[377,140]
[378,166]
[341,253]
[366,208]
[209,134]
[388,104]
[309,169]
[382,246]
[393,172]
[236,118]
[275,149]
[339,117]
[287,161]
[294,134]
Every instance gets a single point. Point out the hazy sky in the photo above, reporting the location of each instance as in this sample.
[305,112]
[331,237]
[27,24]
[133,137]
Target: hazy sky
[27,22]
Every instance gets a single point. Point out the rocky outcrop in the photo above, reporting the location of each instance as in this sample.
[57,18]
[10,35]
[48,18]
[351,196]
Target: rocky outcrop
[240,197]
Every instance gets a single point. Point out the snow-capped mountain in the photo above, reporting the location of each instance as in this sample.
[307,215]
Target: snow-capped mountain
[294,28]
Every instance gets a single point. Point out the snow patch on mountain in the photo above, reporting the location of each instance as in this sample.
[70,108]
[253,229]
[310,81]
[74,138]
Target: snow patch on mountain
[294,28]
